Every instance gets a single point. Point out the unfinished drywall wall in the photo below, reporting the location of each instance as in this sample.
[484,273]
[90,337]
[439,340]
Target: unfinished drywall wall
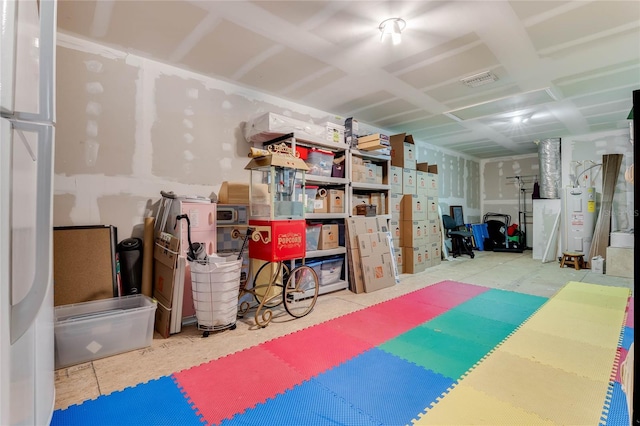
[459,179]
[507,186]
[581,160]
[129,127]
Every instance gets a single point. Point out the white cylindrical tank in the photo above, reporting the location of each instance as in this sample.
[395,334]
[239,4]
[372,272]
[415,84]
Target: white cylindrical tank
[579,214]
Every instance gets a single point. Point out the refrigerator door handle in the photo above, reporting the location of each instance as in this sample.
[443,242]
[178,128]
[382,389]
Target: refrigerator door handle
[24,312]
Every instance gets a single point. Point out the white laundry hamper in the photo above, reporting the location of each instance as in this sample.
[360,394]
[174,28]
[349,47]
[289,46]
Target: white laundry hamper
[215,284]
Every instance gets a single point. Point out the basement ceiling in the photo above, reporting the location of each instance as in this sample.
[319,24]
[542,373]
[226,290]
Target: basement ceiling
[555,68]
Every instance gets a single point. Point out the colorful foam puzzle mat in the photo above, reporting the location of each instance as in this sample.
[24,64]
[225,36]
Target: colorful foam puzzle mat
[506,357]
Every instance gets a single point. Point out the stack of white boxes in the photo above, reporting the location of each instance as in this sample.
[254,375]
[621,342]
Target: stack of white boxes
[427,185]
[413,205]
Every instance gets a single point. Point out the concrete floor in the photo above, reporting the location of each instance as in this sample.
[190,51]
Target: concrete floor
[508,271]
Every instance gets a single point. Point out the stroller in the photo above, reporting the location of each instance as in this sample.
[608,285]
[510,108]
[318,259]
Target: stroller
[498,226]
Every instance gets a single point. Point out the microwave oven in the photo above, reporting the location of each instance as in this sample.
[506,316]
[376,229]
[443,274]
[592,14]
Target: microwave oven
[232,214]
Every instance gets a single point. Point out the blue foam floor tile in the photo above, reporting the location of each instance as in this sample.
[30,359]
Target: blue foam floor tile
[389,389]
[627,338]
[157,402]
[618,413]
[307,404]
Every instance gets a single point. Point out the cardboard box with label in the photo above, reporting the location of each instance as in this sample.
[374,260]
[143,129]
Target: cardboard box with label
[395,179]
[413,233]
[413,259]
[335,200]
[413,207]
[432,208]
[328,237]
[422,183]
[408,181]
[403,151]
[394,206]
[436,253]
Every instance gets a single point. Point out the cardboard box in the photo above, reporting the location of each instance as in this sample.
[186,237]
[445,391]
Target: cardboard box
[432,208]
[422,182]
[335,133]
[165,263]
[395,231]
[394,206]
[413,233]
[373,142]
[321,203]
[403,151]
[413,259]
[356,278]
[432,188]
[358,199]
[436,253]
[408,181]
[378,199]
[335,198]
[426,167]
[395,179]
[377,261]
[358,173]
[434,229]
[328,237]
[358,225]
[233,193]
[371,173]
[413,207]
[163,320]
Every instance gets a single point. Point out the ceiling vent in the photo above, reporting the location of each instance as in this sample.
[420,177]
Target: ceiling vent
[479,79]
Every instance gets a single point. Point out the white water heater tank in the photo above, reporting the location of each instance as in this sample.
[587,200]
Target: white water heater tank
[579,207]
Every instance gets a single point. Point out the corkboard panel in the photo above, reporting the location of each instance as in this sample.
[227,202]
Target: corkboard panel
[83,264]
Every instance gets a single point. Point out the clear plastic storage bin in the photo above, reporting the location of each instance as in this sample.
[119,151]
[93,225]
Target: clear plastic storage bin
[313,236]
[92,330]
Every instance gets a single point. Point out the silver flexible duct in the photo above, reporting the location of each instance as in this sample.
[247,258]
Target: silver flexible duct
[550,167]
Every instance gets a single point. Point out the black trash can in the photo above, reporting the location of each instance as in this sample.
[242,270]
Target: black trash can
[130,256]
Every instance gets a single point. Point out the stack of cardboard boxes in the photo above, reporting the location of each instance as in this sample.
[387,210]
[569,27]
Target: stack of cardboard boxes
[413,205]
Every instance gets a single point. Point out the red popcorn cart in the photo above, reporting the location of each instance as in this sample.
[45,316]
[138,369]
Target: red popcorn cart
[277,204]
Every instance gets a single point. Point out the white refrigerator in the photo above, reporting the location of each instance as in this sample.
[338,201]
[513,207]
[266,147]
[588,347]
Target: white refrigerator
[27,95]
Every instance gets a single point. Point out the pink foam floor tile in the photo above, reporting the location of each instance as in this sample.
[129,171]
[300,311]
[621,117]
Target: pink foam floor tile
[315,349]
[223,387]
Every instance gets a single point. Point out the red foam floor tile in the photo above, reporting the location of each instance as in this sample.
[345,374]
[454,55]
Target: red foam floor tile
[469,290]
[316,349]
[225,386]
[623,355]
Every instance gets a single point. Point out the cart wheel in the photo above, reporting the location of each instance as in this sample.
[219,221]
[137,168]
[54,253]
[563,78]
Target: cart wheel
[205,334]
[301,291]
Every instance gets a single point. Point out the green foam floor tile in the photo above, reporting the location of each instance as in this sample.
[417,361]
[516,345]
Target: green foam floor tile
[472,327]
[440,352]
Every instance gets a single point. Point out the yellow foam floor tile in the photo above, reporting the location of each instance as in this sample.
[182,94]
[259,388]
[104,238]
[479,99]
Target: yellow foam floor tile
[550,393]
[465,405]
[610,297]
[573,356]
[556,320]
[596,289]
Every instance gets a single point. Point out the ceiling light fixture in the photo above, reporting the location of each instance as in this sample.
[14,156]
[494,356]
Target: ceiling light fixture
[392,27]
